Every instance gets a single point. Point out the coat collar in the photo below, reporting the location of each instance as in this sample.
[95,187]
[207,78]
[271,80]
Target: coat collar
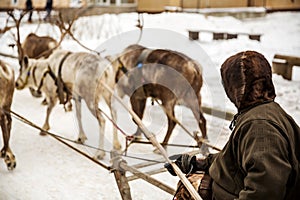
[233,122]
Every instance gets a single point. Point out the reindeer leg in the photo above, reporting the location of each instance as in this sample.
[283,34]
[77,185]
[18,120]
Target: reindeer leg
[81,136]
[138,106]
[46,125]
[100,153]
[69,106]
[202,124]
[93,107]
[6,153]
[4,135]
[169,109]
[116,142]
[198,114]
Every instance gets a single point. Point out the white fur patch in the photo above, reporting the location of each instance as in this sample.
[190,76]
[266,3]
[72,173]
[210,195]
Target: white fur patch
[51,45]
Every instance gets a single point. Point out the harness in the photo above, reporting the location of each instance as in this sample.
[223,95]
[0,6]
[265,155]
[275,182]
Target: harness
[138,78]
[29,72]
[61,86]
[140,61]
[142,58]
[33,74]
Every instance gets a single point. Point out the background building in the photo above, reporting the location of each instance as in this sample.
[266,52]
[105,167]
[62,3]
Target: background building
[159,5]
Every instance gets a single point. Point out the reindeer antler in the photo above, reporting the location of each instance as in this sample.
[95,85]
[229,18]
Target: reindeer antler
[17,39]
[67,30]
[140,25]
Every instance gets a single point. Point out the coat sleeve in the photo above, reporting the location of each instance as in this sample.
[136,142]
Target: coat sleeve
[265,161]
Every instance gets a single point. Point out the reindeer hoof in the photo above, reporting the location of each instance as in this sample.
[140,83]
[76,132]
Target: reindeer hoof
[137,136]
[100,155]
[80,140]
[44,102]
[68,107]
[35,93]
[10,161]
[117,146]
[43,133]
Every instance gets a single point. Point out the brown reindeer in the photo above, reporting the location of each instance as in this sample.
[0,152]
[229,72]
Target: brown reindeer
[6,96]
[161,74]
[35,46]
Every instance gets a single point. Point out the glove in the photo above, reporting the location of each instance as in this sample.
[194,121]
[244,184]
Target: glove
[187,163]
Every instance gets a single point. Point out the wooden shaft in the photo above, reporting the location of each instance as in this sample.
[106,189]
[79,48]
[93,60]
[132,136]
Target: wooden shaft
[218,113]
[147,178]
[120,175]
[154,141]
[146,164]
[153,172]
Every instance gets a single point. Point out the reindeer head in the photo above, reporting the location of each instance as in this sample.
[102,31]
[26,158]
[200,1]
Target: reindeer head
[24,75]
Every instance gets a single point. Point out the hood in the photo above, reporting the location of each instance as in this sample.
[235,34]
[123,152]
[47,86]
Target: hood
[247,79]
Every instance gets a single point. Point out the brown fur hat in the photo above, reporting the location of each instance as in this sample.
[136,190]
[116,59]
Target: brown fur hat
[247,79]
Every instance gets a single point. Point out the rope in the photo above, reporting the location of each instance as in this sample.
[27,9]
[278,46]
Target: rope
[115,124]
[57,137]
[128,138]
[175,145]
[61,139]
[187,131]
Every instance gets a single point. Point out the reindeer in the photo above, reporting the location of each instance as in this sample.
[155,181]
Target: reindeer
[6,96]
[161,74]
[82,74]
[35,46]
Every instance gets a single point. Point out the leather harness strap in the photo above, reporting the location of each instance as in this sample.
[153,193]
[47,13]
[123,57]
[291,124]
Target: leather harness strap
[33,74]
[140,61]
[61,86]
[142,58]
[139,78]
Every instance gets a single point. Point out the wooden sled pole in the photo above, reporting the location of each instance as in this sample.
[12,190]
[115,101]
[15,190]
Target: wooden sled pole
[153,172]
[151,137]
[120,176]
[147,178]
[120,168]
[218,113]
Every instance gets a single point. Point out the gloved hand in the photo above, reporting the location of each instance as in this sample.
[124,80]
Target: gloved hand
[187,163]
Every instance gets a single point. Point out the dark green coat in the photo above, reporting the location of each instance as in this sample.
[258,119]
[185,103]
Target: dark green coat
[260,159]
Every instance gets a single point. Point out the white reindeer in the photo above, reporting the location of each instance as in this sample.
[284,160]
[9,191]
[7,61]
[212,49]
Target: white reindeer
[82,74]
[6,97]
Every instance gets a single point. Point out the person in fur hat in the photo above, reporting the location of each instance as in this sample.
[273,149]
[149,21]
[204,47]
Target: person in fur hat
[260,161]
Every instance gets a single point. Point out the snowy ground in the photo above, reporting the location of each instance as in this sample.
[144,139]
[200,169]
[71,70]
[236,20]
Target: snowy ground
[48,170]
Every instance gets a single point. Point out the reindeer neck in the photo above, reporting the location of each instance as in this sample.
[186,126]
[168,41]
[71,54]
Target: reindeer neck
[37,72]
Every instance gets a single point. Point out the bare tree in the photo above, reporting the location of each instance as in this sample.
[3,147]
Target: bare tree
[17,21]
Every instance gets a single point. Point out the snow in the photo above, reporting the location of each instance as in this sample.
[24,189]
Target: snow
[49,170]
